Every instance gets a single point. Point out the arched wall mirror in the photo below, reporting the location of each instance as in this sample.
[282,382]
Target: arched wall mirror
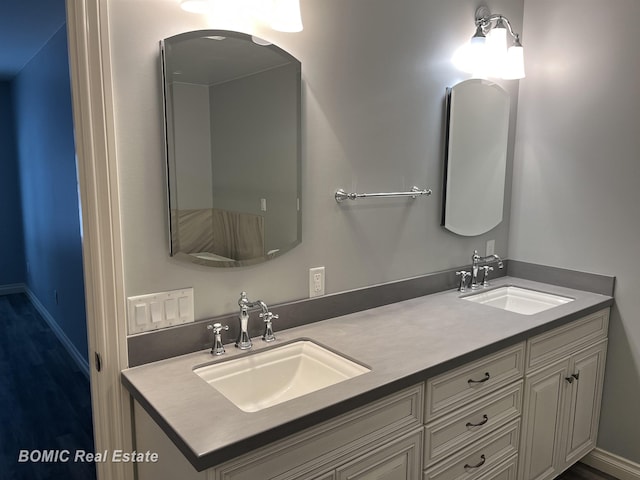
[232,111]
[475,157]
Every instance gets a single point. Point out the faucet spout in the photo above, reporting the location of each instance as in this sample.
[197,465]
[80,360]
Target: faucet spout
[476,260]
[496,258]
[244,340]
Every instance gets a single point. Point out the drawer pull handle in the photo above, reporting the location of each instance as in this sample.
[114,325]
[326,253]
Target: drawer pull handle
[477,465]
[486,377]
[485,419]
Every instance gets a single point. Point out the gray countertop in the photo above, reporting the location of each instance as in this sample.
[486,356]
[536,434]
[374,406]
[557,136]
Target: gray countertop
[403,343]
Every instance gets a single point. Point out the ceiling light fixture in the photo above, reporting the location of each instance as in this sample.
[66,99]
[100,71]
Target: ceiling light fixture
[285,16]
[486,54]
[195,6]
[281,15]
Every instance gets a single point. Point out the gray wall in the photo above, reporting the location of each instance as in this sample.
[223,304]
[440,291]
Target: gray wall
[262,107]
[374,78]
[192,144]
[374,74]
[577,167]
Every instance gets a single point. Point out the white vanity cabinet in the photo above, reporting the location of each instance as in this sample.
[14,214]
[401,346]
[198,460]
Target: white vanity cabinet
[563,389]
[525,412]
[382,440]
[473,418]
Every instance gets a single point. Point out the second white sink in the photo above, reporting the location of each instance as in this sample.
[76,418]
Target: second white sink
[518,300]
[264,379]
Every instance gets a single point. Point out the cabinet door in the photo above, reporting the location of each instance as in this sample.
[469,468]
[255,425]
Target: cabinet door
[326,476]
[319,449]
[545,393]
[397,460]
[584,407]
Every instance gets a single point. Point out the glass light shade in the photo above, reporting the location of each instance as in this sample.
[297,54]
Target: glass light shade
[470,57]
[195,6]
[497,39]
[514,65]
[496,51]
[285,16]
[230,15]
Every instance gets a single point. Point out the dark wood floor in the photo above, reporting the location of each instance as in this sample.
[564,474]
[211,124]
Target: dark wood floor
[580,471]
[45,401]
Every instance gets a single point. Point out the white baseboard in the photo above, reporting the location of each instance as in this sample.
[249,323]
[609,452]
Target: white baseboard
[77,357]
[12,288]
[612,464]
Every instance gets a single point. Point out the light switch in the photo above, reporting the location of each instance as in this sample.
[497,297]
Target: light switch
[159,310]
[141,314]
[184,307]
[171,309]
[156,312]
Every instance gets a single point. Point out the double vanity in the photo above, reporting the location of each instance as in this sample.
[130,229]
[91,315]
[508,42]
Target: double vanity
[503,382]
[486,382]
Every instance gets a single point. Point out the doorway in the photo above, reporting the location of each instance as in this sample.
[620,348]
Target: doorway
[44,359]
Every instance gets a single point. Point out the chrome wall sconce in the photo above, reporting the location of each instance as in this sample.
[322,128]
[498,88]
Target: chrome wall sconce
[486,54]
[281,15]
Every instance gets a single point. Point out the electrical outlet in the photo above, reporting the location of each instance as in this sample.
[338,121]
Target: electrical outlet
[316,281]
[491,247]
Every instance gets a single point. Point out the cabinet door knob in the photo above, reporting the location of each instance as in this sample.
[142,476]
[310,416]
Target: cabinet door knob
[569,379]
[487,376]
[477,465]
[576,375]
[485,419]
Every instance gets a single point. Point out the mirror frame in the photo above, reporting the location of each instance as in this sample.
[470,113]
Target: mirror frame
[171,169]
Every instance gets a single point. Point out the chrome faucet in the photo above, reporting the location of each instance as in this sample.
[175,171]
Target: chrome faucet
[476,260]
[218,347]
[463,274]
[244,341]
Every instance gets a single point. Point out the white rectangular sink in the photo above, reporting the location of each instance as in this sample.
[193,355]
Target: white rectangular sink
[257,381]
[518,300]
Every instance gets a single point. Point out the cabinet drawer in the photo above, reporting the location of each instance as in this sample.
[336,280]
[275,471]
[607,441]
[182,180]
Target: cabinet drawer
[562,341]
[505,471]
[453,389]
[468,424]
[478,458]
[334,441]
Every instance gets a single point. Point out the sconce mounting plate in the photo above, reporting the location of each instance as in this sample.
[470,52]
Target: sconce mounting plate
[482,12]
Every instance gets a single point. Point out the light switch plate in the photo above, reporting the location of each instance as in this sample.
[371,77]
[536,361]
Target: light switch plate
[160,310]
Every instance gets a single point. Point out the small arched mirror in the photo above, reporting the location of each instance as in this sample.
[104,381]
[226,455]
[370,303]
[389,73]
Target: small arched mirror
[475,157]
[232,110]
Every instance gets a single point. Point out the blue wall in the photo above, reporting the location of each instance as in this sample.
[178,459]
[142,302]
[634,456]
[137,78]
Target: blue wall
[46,156]
[12,266]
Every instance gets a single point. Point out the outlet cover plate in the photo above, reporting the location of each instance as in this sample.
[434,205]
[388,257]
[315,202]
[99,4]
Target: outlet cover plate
[316,282]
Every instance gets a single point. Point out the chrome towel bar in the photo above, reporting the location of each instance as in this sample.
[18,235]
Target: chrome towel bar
[414,193]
